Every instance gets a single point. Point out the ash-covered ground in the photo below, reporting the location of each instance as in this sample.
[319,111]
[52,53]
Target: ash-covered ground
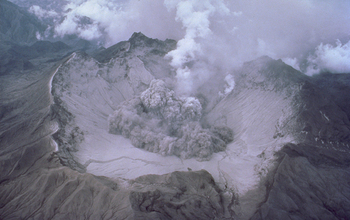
[282,162]
[89,133]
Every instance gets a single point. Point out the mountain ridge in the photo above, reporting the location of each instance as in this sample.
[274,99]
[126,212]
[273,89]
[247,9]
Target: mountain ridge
[18,25]
[270,171]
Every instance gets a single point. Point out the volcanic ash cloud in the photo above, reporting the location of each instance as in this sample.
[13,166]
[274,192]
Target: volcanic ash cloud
[160,122]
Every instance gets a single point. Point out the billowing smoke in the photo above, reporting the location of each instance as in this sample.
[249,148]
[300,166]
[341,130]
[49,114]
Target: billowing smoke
[160,122]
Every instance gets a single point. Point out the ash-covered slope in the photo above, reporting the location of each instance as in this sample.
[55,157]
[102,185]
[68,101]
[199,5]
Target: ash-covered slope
[87,91]
[289,157]
[34,184]
[271,105]
[274,101]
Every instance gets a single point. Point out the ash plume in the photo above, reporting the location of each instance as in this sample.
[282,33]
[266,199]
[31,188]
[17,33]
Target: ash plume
[158,121]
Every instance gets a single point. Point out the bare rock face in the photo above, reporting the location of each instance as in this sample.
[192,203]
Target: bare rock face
[160,122]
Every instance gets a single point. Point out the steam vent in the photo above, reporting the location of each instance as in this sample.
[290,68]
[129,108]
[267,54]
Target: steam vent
[210,110]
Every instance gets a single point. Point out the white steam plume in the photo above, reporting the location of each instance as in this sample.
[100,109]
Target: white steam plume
[293,62]
[216,36]
[195,18]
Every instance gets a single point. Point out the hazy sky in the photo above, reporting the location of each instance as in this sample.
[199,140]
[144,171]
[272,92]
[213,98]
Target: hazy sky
[219,32]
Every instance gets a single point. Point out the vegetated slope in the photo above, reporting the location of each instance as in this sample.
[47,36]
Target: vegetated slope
[17,58]
[17,25]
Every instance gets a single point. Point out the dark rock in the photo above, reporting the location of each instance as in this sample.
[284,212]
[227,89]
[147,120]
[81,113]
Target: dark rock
[179,195]
[337,85]
[308,182]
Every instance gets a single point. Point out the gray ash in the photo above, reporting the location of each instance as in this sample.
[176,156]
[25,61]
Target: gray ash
[160,122]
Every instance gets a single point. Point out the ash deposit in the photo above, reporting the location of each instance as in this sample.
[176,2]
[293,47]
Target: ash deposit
[91,129]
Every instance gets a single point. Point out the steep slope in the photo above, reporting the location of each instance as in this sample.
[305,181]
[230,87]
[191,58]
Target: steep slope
[18,25]
[289,157]
[308,182]
[15,57]
[34,184]
[271,105]
[281,102]
[89,90]
[338,85]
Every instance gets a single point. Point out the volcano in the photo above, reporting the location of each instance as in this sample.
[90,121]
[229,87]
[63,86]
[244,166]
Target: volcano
[278,142]
[201,127]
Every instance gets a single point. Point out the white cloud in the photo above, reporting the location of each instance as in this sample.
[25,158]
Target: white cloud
[38,36]
[195,17]
[90,32]
[230,84]
[334,59]
[237,13]
[293,62]
[42,13]
[68,26]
